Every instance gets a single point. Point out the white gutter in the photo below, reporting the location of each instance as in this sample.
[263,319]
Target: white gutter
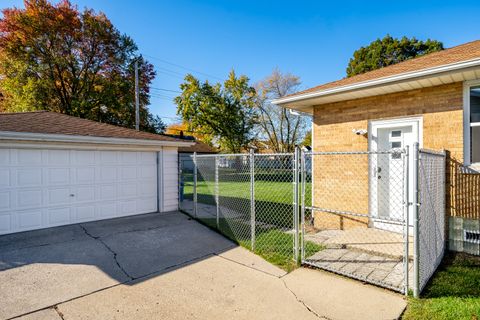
[47,137]
[381,81]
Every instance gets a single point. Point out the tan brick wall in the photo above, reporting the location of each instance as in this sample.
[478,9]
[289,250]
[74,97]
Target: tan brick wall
[442,110]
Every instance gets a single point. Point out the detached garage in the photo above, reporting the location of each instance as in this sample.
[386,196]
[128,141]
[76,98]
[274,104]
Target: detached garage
[57,170]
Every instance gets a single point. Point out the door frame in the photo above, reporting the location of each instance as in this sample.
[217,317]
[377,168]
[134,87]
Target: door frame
[373,126]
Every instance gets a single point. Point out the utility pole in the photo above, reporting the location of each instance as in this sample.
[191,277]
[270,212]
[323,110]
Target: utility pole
[137,99]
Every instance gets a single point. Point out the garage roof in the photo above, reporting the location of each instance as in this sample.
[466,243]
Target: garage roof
[45,122]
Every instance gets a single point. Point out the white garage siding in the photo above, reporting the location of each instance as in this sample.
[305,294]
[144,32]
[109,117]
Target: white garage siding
[42,188]
[169,183]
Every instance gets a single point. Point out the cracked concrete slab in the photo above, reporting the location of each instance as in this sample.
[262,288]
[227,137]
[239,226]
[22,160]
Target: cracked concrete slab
[142,222]
[36,278]
[336,297]
[212,288]
[139,255]
[47,314]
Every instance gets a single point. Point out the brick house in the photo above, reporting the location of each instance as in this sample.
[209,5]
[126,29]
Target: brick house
[433,100]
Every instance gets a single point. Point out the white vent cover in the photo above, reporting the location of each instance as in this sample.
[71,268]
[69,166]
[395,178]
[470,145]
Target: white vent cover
[471,236]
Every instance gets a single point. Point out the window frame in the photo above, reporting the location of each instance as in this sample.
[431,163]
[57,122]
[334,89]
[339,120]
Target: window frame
[467,124]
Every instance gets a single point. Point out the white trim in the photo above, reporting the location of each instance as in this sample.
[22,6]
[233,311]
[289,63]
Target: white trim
[46,137]
[386,123]
[382,81]
[466,122]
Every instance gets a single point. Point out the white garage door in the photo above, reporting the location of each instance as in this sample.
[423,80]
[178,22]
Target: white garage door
[46,188]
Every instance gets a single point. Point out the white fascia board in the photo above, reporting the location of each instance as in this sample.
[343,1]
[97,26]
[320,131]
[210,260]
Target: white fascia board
[46,137]
[382,81]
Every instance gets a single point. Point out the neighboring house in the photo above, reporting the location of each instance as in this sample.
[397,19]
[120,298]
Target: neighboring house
[185,153]
[433,100]
[57,170]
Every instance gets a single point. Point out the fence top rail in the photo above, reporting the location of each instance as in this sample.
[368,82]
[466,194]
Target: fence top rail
[391,151]
[441,153]
[221,155]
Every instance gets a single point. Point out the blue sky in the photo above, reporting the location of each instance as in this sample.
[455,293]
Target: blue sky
[311,39]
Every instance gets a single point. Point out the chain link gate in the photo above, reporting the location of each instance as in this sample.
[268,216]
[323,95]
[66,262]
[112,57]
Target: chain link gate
[355,206]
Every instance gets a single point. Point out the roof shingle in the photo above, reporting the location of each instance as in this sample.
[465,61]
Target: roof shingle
[45,122]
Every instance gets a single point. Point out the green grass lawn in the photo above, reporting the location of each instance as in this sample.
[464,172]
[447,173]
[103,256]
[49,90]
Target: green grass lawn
[273,245]
[273,211]
[453,292]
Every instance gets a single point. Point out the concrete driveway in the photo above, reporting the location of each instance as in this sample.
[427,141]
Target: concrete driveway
[166,266]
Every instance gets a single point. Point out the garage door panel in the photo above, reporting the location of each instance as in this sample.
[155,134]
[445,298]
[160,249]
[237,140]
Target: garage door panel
[85,175]
[58,196]
[107,192]
[29,198]
[146,205]
[129,190]
[84,194]
[107,174]
[5,223]
[85,213]
[129,157]
[59,216]
[29,219]
[4,177]
[4,157]
[29,177]
[128,173]
[148,188]
[106,210]
[5,200]
[147,171]
[108,157]
[58,176]
[58,157]
[83,158]
[45,188]
[29,157]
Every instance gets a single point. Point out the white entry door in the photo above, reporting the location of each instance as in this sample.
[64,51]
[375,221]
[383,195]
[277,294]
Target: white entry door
[388,171]
[46,188]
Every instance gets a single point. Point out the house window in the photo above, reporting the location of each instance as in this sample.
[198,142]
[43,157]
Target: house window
[474,123]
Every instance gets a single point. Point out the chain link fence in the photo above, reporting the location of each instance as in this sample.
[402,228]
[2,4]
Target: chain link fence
[250,198]
[352,213]
[355,208]
[431,221]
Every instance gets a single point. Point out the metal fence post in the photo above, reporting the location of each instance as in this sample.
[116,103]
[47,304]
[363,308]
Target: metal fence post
[216,192]
[252,198]
[406,206]
[195,169]
[416,231]
[296,158]
[303,173]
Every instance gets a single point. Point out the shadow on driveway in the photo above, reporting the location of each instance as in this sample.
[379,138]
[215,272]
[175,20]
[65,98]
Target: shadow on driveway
[42,268]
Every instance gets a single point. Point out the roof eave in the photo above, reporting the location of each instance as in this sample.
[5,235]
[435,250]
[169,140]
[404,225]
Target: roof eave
[47,137]
[379,82]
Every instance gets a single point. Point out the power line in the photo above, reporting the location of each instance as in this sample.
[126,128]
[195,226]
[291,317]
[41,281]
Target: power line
[168,90]
[183,67]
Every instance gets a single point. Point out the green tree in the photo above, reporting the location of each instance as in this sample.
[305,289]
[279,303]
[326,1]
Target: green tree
[224,113]
[307,140]
[281,129]
[57,58]
[387,51]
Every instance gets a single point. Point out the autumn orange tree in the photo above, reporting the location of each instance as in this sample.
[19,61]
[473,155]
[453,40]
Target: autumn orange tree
[55,57]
